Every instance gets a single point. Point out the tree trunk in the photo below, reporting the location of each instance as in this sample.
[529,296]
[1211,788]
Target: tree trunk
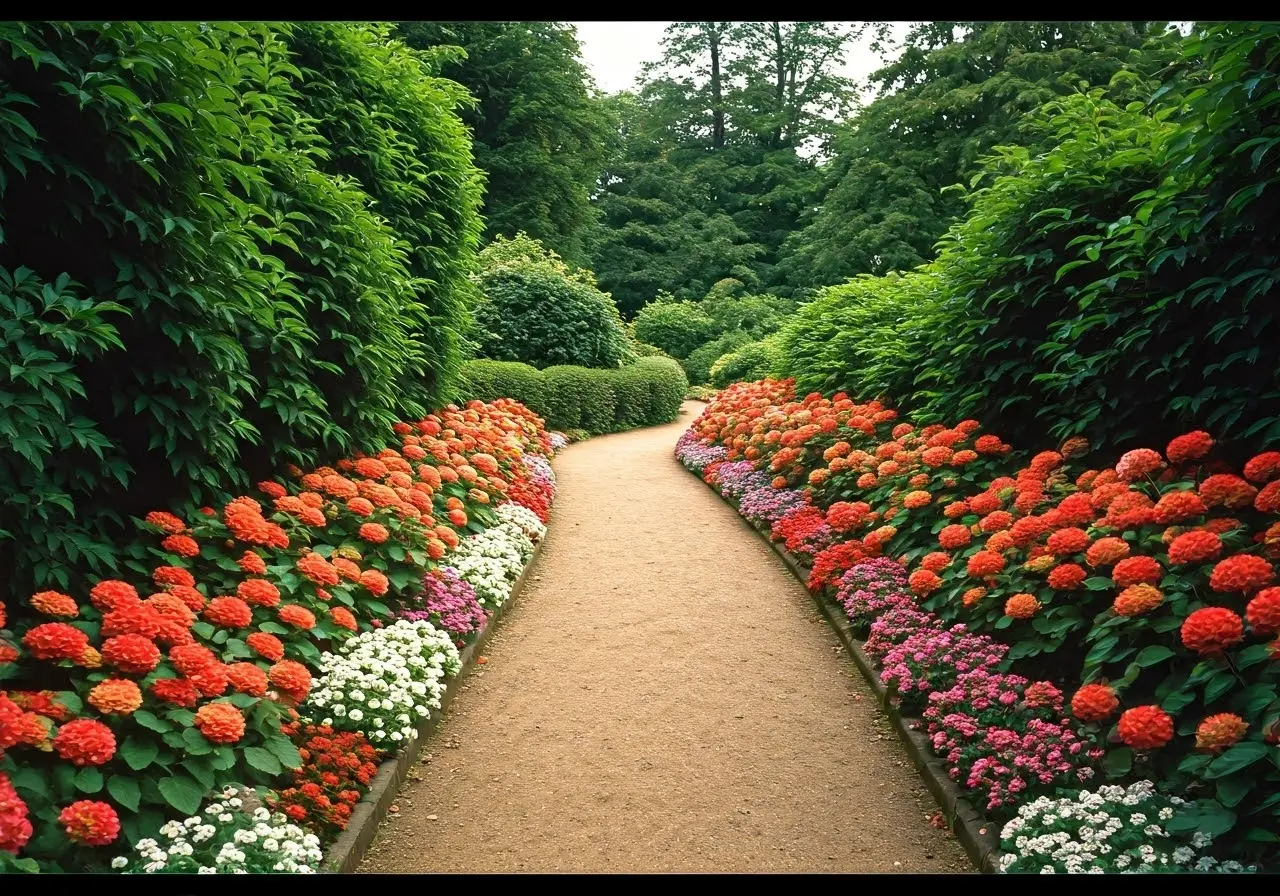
[717,100]
[780,85]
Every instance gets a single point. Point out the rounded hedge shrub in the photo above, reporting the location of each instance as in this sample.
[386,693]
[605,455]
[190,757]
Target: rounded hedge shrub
[667,387]
[698,365]
[490,380]
[579,398]
[675,327]
[753,361]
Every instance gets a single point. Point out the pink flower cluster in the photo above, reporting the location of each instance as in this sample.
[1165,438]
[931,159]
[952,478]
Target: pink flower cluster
[871,588]
[930,659]
[697,456]
[448,602]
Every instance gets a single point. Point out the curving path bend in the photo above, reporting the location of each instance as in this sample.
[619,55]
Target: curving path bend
[663,697]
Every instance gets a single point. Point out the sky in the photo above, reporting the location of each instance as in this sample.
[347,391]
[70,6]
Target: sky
[614,51]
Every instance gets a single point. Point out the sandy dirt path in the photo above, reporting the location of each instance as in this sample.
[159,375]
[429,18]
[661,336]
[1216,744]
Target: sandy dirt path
[662,697]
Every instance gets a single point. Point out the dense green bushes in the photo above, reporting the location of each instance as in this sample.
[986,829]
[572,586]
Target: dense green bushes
[675,327]
[196,277]
[536,309]
[645,393]
[753,361]
[1115,286]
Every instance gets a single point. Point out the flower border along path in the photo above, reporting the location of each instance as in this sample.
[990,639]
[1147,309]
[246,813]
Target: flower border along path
[978,836]
[348,851]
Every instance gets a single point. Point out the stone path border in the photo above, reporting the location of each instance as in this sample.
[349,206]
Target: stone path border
[978,836]
[346,853]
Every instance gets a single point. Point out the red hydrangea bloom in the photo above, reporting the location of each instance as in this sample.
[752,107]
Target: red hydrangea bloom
[1196,546]
[996,521]
[1068,541]
[1094,703]
[1268,500]
[1136,570]
[935,561]
[1106,551]
[1175,507]
[297,616]
[109,593]
[1189,447]
[1145,727]
[1138,463]
[267,646]
[1021,606]
[1067,577]
[173,575]
[1218,732]
[292,678]
[985,564]
[258,592]
[1263,612]
[90,822]
[55,603]
[1263,468]
[1243,572]
[343,618]
[375,582]
[182,545]
[177,691]
[954,536]
[55,641]
[247,678]
[135,654]
[1137,599]
[318,569]
[1228,490]
[191,658]
[252,564]
[220,723]
[15,826]
[923,582]
[1210,630]
[229,612]
[85,742]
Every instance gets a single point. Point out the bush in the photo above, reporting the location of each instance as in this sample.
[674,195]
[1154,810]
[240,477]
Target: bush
[698,365]
[491,380]
[753,361]
[537,310]
[675,327]
[667,386]
[579,398]
[179,209]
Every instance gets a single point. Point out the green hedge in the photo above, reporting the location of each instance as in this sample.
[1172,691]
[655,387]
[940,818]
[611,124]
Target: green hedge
[753,361]
[645,393]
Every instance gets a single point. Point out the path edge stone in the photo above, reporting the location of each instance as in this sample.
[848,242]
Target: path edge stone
[346,853]
[977,834]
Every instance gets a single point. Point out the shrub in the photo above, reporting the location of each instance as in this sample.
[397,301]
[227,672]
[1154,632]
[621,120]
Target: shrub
[675,327]
[578,398]
[752,361]
[698,365]
[535,309]
[667,388]
[491,380]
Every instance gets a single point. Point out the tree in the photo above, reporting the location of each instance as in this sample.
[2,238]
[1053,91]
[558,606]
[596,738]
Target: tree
[943,103]
[541,134]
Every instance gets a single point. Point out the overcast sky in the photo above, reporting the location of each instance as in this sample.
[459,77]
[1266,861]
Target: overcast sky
[615,51]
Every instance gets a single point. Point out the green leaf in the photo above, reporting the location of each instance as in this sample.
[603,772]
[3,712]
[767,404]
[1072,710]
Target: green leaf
[263,760]
[183,793]
[125,791]
[89,779]
[1235,758]
[1117,762]
[1149,656]
[147,720]
[285,751]
[138,752]
[1099,583]
[196,743]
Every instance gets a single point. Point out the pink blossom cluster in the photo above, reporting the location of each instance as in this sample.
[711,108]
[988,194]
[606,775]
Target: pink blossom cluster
[871,587]
[737,478]
[930,659]
[448,602]
[804,531]
[695,454]
[768,504]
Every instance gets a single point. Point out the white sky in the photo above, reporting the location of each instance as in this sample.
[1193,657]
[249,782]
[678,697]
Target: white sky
[614,51]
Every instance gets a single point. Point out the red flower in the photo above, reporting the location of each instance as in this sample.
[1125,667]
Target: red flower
[265,645]
[15,827]
[1106,551]
[1067,577]
[1243,572]
[54,603]
[115,695]
[1135,571]
[370,468]
[1268,500]
[375,582]
[258,592]
[229,612]
[1137,599]
[318,569]
[182,545]
[360,506]
[108,594]
[1189,447]
[191,658]
[954,536]
[55,641]
[297,616]
[272,489]
[90,822]
[1263,468]
[1263,612]
[189,596]
[1145,727]
[247,678]
[1068,541]
[343,618]
[1196,546]
[988,444]
[220,723]
[178,691]
[935,561]
[1175,507]
[1228,490]
[1217,732]
[844,516]
[1210,630]
[923,582]
[292,678]
[1021,606]
[996,521]
[1094,702]
[173,575]
[211,681]
[984,564]
[252,564]
[85,742]
[1138,463]
[166,521]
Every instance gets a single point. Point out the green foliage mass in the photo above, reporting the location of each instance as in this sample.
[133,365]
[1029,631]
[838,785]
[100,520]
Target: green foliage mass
[645,393]
[675,327]
[753,361]
[541,136]
[200,282]
[536,309]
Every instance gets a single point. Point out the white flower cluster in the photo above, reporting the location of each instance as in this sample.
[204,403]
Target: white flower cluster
[385,681]
[226,839]
[558,441]
[539,467]
[522,518]
[491,560]
[1111,829]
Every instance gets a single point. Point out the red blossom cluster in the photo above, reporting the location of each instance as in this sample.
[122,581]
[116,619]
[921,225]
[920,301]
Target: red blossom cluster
[336,770]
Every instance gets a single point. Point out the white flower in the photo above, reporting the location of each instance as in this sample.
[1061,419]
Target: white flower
[119,862]
[205,869]
[355,715]
[153,867]
[270,844]
[146,843]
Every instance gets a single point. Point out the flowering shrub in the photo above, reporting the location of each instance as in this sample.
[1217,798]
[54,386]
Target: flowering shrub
[449,603]
[695,455]
[1111,829]
[490,561]
[523,519]
[336,771]
[930,659]
[1146,590]
[226,838]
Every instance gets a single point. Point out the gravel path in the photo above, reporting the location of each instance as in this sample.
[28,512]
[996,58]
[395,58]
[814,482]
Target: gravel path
[663,697]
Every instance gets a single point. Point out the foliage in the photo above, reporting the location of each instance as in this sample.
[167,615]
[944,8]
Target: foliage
[700,361]
[167,195]
[675,327]
[541,135]
[538,310]
[751,361]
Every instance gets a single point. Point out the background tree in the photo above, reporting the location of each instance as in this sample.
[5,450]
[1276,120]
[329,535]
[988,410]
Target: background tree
[541,134]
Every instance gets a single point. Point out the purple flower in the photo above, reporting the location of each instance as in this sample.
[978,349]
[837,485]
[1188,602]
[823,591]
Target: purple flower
[448,602]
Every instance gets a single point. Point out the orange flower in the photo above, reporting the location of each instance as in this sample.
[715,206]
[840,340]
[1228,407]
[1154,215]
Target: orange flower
[1138,463]
[182,545]
[1137,599]
[985,564]
[85,742]
[954,536]
[166,521]
[297,616]
[1211,630]
[923,582]
[318,569]
[220,723]
[1263,612]
[229,612]
[936,561]
[54,603]
[191,658]
[1228,490]
[916,499]
[374,532]
[1263,468]
[1106,551]
[115,695]
[1068,541]
[90,822]
[1196,546]
[1094,702]
[375,582]
[343,618]
[1243,572]
[172,575]
[292,678]
[247,678]
[1217,732]
[1021,606]
[55,641]
[1145,727]
[1067,577]
[176,691]
[1135,571]
[267,646]
[973,595]
[1189,447]
[1268,500]
[107,594]
[1076,446]
[360,506]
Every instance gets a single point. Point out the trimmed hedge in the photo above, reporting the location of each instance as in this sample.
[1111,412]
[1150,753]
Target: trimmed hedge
[645,393]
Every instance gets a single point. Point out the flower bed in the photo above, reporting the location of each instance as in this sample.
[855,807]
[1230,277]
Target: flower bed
[1055,623]
[279,647]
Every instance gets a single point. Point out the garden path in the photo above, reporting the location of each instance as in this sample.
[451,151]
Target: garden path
[662,697]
